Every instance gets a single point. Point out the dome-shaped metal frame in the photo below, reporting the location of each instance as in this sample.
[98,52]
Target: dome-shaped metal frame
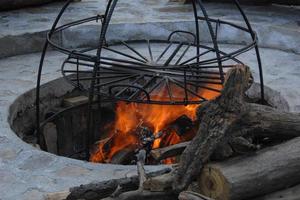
[136,77]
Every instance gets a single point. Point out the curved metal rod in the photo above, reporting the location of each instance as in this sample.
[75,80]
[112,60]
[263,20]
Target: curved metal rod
[197,30]
[180,31]
[38,84]
[253,35]
[213,37]
[130,86]
[108,14]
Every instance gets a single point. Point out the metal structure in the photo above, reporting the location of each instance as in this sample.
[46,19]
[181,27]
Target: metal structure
[165,73]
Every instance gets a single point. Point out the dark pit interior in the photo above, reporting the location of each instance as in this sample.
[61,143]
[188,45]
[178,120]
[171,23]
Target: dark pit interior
[64,133]
[64,118]
[64,115]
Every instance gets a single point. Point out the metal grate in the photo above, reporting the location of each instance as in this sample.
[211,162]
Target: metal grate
[168,71]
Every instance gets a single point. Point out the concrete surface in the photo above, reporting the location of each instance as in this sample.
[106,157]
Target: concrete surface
[23,31]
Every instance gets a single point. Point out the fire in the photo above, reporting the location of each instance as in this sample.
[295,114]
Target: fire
[130,117]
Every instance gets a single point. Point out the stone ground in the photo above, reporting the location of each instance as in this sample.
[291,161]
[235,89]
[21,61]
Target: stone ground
[24,30]
[27,173]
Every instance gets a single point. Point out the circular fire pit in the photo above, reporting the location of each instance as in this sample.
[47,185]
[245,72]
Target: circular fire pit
[177,69]
[43,172]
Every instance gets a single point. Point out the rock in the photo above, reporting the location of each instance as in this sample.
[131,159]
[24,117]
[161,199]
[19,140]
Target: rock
[72,171]
[36,162]
[32,194]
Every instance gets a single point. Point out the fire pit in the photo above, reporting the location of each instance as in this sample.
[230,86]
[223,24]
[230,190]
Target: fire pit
[152,86]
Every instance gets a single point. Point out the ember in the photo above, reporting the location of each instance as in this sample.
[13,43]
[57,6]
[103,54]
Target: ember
[149,126]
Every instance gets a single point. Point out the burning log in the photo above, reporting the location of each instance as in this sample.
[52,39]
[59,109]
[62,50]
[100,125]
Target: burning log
[124,156]
[181,129]
[182,125]
[112,150]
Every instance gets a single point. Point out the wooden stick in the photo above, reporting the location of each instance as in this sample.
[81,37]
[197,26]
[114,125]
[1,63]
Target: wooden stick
[189,195]
[106,188]
[141,157]
[140,193]
[170,151]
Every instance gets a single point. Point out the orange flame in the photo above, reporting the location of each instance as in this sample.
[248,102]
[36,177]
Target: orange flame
[157,117]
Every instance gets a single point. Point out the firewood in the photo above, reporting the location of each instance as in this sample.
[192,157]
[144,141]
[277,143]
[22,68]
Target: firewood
[269,170]
[140,193]
[159,183]
[57,195]
[230,121]
[169,151]
[292,193]
[182,125]
[123,157]
[135,194]
[189,195]
[106,188]
[228,125]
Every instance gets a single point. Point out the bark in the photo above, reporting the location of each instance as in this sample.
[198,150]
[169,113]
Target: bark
[141,193]
[96,191]
[229,122]
[217,118]
[170,151]
[188,195]
[267,171]
[292,193]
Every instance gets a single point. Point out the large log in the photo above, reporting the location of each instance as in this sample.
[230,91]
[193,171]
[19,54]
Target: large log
[266,171]
[229,122]
[292,193]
